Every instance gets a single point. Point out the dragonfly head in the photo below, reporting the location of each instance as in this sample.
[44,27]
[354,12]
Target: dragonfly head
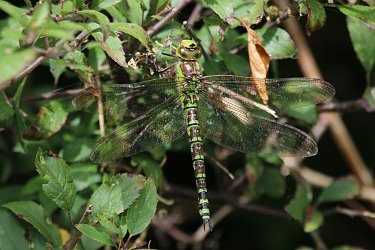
[188,50]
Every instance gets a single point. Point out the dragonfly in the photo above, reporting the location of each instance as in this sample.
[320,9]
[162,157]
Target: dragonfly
[226,109]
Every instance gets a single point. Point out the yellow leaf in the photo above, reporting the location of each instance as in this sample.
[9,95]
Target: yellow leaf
[64,235]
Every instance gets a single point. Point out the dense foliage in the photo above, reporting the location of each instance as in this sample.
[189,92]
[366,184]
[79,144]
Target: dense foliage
[53,197]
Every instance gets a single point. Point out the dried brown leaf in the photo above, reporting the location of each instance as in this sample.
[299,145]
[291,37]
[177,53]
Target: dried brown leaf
[259,60]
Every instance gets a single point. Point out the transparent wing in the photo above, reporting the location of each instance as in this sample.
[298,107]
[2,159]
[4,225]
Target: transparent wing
[229,124]
[127,99]
[160,125]
[284,93]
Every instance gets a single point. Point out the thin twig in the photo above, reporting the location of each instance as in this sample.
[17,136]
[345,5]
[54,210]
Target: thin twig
[349,149]
[51,95]
[356,205]
[318,179]
[237,49]
[50,51]
[226,198]
[7,100]
[350,212]
[79,39]
[366,193]
[200,234]
[27,70]
[195,14]
[347,106]
[239,181]
[70,244]
[319,243]
[152,30]
[284,15]
[100,107]
[221,166]
[166,226]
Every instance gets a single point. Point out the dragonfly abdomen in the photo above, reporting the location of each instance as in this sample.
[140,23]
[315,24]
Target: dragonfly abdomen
[189,104]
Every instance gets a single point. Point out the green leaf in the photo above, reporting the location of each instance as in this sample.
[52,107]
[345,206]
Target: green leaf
[37,240]
[235,64]
[66,7]
[57,67]
[155,7]
[109,225]
[89,243]
[223,8]
[58,34]
[40,15]
[60,187]
[13,64]
[11,232]
[365,13]
[11,34]
[10,193]
[20,120]
[141,212]
[33,185]
[277,42]
[115,195]
[254,170]
[6,113]
[112,45]
[100,18]
[17,96]
[271,182]
[84,175]
[28,3]
[78,62]
[314,222]
[361,34]
[249,11]
[36,216]
[134,11]
[339,190]
[306,114]
[60,30]
[369,95]
[150,166]
[17,13]
[95,234]
[116,14]
[96,55]
[316,16]
[107,3]
[123,226]
[66,25]
[298,205]
[78,152]
[50,119]
[133,30]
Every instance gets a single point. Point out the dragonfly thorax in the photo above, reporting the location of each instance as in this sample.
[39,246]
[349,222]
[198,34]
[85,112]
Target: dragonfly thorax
[188,50]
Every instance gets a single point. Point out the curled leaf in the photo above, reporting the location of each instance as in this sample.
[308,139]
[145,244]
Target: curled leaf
[259,60]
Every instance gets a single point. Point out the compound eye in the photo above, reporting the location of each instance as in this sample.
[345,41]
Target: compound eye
[183,52]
